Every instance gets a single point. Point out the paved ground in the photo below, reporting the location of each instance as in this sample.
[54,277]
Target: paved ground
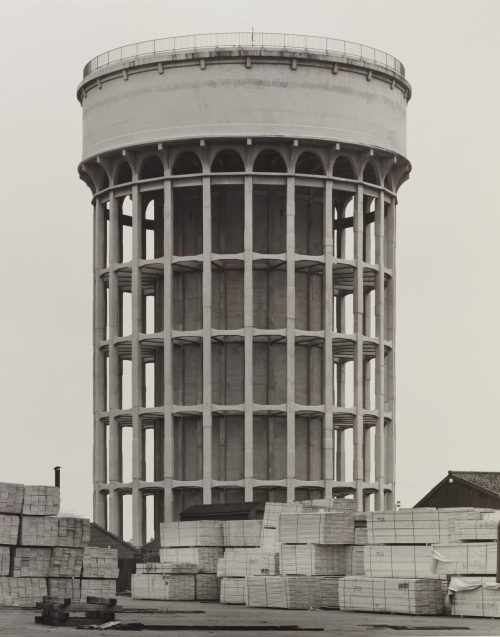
[189,619]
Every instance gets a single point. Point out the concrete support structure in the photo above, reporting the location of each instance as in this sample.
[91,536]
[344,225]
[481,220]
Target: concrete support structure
[243,276]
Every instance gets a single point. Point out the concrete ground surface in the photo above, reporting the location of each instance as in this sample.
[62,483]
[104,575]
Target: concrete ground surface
[189,619]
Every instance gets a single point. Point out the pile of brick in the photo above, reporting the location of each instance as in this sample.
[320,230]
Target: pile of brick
[41,554]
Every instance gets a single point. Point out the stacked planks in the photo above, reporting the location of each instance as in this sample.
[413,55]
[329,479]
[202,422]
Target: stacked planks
[329,592]
[191,534]
[474,596]
[312,559]
[249,561]
[167,567]
[100,563]
[467,558]
[284,592]
[334,527]
[399,560]
[43,554]
[205,557]
[233,590]
[242,533]
[355,560]
[163,586]
[207,587]
[391,595]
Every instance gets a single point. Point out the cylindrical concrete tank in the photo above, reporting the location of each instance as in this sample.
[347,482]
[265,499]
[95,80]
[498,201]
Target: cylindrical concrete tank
[244,192]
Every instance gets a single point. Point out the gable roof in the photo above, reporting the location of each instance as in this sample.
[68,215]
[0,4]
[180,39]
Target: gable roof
[100,537]
[485,481]
[207,511]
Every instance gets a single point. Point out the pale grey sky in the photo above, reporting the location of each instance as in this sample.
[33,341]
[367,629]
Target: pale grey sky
[448,335]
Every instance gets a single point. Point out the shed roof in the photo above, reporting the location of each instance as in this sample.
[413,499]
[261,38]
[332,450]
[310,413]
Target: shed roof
[100,537]
[214,510]
[485,481]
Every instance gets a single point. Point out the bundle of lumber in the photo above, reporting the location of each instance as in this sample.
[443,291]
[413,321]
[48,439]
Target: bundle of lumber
[192,533]
[65,588]
[474,558]
[4,560]
[166,567]
[243,562]
[330,504]
[418,526]
[242,533]
[207,587]
[100,563]
[233,590]
[205,557]
[9,529]
[93,587]
[163,587]
[329,592]
[334,527]
[50,531]
[29,499]
[474,596]
[476,530]
[312,559]
[399,560]
[66,562]
[360,529]
[391,595]
[269,539]
[284,592]
[30,562]
[355,560]
[22,591]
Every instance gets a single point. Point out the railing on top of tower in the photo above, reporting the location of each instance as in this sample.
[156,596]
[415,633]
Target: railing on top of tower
[248,40]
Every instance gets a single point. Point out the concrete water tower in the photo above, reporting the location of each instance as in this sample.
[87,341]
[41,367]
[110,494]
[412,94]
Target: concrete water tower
[244,194]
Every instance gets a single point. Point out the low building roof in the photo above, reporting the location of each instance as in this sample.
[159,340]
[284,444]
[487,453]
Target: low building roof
[102,538]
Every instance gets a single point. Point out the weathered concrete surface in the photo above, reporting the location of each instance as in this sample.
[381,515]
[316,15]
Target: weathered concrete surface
[20,623]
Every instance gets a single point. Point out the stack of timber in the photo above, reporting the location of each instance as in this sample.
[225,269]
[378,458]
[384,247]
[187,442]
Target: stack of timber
[312,559]
[205,557]
[233,590]
[329,592]
[466,558]
[100,563]
[192,533]
[334,527]
[207,587]
[242,533]
[167,567]
[173,587]
[418,526]
[474,596]
[355,560]
[391,595]
[399,560]
[360,529]
[249,561]
[284,592]
[41,554]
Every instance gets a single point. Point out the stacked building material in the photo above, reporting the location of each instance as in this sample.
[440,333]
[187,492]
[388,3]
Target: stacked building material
[467,558]
[163,586]
[474,596]
[391,595]
[355,560]
[167,567]
[100,563]
[334,527]
[284,592]
[192,533]
[205,557]
[329,592]
[242,533]
[233,590]
[312,559]
[207,587]
[399,560]
[43,554]
[360,529]
[249,561]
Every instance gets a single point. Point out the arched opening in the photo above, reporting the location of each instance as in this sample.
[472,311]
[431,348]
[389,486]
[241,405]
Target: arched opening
[227,161]
[269,161]
[123,174]
[369,175]
[343,168]
[187,163]
[309,164]
[151,168]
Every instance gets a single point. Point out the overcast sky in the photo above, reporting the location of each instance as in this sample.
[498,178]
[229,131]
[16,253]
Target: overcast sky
[448,335]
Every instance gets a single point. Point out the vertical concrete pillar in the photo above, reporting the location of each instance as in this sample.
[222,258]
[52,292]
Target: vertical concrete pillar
[168,438]
[207,342]
[248,336]
[138,536]
[358,346]
[328,445]
[390,335]
[380,356]
[290,335]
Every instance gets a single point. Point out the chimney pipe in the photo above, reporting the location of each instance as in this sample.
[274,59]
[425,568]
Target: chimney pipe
[57,476]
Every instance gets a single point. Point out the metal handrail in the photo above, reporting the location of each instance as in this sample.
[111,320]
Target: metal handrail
[248,40]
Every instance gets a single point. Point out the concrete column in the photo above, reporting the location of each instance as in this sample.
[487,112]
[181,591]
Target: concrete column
[99,397]
[340,456]
[168,440]
[380,357]
[248,336]
[290,336]
[358,347]
[137,375]
[390,335]
[207,343]
[114,367]
[328,445]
